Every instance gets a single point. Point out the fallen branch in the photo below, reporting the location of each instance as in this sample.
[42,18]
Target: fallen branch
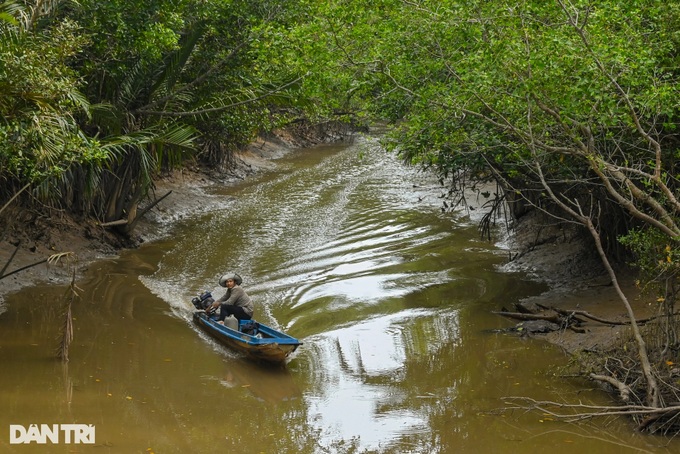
[624,390]
[52,259]
[130,223]
[9,261]
[595,318]
[23,268]
[114,223]
[14,197]
[153,204]
[138,215]
[594,410]
[521,316]
[585,314]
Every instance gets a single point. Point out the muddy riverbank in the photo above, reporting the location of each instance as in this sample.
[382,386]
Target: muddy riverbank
[555,254]
[31,238]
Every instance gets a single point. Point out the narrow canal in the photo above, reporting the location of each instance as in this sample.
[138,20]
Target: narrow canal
[344,248]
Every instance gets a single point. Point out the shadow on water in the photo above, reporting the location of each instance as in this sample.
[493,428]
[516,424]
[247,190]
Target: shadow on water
[344,248]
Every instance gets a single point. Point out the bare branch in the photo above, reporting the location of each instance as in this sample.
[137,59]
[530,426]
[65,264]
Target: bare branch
[591,411]
[624,390]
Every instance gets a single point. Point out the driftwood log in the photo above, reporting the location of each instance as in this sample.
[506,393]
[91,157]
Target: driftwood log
[127,225]
[555,318]
[540,319]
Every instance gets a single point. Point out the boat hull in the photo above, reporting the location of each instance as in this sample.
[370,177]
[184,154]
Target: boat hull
[270,346]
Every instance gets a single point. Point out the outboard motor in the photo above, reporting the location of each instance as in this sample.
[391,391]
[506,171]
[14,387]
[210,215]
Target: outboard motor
[203,301]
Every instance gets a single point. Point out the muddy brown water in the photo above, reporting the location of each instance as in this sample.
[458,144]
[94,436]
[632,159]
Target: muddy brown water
[344,248]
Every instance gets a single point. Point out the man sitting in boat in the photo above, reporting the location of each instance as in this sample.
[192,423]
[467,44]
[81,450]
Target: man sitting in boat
[235,301]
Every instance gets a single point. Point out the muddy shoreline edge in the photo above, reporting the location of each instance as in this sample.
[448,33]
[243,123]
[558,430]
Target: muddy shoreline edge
[554,254]
[30,239]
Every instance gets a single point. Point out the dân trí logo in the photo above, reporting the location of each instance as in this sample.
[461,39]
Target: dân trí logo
[51,433]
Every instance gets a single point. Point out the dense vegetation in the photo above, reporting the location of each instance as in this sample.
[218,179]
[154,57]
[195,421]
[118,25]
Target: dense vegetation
[572,107]
[97,97]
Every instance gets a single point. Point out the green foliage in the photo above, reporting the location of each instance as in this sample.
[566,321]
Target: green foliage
[40,105]
[506,88]
[518,92]
[124,35]
[98,96]
[656,255]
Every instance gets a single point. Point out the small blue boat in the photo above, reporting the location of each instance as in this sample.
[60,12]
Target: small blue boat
[261,342]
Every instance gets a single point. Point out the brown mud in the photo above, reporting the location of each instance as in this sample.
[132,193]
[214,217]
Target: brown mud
[564,256]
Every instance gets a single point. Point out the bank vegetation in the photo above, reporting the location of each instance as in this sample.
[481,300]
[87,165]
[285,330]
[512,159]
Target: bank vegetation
[570,107]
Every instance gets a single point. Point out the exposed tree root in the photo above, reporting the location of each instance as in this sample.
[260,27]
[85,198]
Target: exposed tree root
[646,415]
[568,317]
[624,390]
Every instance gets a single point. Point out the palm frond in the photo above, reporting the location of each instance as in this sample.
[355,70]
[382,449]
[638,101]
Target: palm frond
[8,18]
[176,62]
[152,144]
[11,12]
[178,135]
[80,101]
[132,87]
[108,118]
